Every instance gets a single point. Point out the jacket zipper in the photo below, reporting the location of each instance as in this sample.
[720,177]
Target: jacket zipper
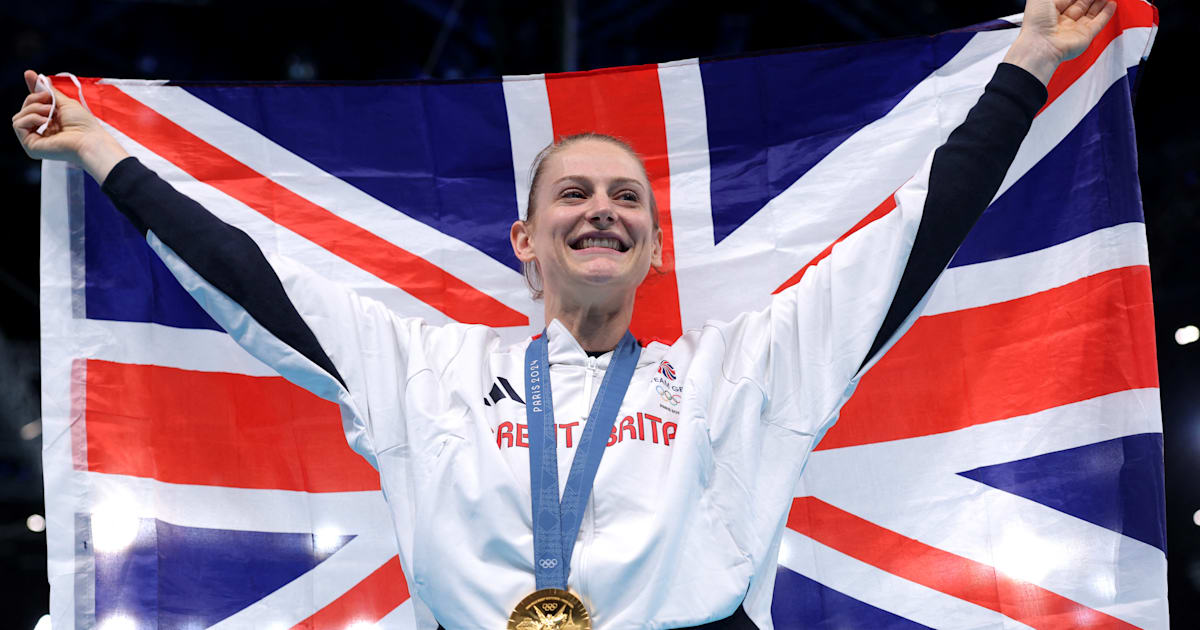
[587,389]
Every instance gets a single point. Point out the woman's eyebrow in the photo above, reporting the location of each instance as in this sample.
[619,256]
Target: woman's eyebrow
[627,181]
[578,180]
[586,182]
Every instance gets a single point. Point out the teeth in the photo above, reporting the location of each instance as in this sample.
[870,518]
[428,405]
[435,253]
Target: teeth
[610,243]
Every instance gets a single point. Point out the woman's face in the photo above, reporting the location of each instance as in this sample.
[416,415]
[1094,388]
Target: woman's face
[592,228]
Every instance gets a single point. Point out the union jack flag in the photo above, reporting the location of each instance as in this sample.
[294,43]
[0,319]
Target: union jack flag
[1001,466]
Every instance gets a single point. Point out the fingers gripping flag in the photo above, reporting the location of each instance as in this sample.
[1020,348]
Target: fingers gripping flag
[1000,466]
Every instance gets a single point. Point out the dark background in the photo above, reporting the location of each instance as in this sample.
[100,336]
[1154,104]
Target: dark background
[219,40]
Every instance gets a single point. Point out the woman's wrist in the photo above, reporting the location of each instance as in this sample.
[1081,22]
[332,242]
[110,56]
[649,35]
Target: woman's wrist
[99,153]
[1035,56]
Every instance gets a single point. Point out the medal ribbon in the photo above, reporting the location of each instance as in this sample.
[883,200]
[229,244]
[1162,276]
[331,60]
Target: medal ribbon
[556,524]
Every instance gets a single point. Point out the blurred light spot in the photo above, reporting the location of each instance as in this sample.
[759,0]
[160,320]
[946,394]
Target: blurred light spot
[363,625]
[300,69]
[114,526]
[1194,574]
[147,64]
[36,523]
[33,174]
[117,622]
[43,623]
[1196,518]
[326,540]
[1187,335]
[31,430]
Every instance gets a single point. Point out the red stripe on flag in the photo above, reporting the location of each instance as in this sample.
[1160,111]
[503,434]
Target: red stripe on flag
[940,570]
[217,429]
[1130,14]
[415,275]
[367,602]
[627,103]
[1091,337]
[882,209]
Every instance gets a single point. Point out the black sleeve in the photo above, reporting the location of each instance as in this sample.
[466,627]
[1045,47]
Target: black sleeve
[965,174]
[223,255]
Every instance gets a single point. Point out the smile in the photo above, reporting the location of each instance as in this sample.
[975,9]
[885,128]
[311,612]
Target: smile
[587,242]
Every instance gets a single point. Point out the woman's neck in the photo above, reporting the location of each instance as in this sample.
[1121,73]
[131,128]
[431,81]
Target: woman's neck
[597,327]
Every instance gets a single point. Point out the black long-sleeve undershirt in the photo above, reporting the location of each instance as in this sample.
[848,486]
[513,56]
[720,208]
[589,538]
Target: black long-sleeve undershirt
[966,172]
[223,255]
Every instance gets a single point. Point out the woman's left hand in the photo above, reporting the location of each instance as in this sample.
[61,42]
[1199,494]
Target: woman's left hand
[1053,31]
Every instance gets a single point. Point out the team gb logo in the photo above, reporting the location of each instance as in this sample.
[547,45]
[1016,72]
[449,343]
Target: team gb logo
[667,370]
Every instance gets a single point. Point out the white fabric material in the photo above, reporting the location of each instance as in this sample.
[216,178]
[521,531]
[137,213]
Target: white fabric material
[673,533]
[43,85]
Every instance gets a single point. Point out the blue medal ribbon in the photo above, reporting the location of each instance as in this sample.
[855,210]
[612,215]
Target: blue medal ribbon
[556,524]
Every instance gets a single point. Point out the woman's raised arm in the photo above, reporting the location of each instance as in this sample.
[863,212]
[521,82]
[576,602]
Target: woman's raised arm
[315,333]
[819,336]
[72,135]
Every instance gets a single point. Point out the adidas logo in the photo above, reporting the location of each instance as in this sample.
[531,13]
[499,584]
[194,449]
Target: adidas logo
[501,389]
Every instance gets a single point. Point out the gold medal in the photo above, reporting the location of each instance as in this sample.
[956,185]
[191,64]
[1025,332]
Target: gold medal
[550,609]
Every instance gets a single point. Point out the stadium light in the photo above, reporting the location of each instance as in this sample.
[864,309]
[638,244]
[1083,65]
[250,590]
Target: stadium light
[1196,518]
[1187,335]
[36,523]
[43,623]
[31,430]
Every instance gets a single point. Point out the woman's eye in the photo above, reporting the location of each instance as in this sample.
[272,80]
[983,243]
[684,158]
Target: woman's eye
[573,193]
[628,196]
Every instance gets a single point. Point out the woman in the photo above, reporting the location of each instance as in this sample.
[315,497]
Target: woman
[701,441]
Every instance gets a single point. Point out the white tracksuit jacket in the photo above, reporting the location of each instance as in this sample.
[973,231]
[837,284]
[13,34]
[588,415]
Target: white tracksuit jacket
[690,500]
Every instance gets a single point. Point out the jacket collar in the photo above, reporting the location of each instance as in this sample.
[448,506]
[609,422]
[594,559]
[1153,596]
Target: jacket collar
[565,350]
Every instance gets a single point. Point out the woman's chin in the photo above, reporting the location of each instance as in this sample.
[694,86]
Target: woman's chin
[602,278]
[601,270]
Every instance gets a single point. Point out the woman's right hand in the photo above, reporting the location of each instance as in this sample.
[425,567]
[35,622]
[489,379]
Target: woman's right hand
[73,135]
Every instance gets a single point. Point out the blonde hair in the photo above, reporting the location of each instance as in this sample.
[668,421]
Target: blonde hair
[533,276]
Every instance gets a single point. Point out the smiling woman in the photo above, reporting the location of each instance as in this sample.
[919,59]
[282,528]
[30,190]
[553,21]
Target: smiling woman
[591,235]
[702,439]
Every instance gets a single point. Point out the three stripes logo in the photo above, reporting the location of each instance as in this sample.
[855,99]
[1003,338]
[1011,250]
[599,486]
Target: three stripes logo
[501,389]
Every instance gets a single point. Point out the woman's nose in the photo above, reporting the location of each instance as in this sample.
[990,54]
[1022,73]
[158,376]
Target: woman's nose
[601,214]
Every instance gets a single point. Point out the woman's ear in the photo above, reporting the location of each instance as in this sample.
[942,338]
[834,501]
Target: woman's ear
[656,250]
[522,242]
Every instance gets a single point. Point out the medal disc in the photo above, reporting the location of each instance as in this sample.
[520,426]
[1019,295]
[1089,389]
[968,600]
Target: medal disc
[550,609]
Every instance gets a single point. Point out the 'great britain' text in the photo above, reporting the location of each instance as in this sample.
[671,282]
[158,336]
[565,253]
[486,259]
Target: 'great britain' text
[644,427]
